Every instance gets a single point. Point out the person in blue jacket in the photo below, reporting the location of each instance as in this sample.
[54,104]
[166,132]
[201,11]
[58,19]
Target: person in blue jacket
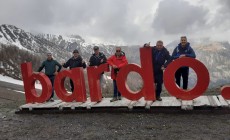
[183,50]
[50,70]
[161,58]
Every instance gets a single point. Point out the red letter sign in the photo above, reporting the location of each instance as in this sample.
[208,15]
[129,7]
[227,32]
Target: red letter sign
[146,72]
[202,78]
[225,92]
[94,75]
[77,76]
[29,80]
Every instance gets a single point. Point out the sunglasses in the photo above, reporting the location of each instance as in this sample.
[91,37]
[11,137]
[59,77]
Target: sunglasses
[118,50]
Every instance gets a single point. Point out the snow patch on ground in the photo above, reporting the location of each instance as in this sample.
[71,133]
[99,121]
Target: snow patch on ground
[17,91]
[15,81]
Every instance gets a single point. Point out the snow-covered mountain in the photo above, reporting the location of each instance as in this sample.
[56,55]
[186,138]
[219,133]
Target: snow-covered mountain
[39,44]
[215,55]
[11,35]
[69,43]
[60,46]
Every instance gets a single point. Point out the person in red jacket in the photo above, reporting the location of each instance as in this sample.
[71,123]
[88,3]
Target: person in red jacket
[116,62]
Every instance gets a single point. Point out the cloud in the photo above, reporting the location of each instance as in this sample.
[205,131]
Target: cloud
[120,21]
[225,4]
[223,13]
[177,16]
[107,20]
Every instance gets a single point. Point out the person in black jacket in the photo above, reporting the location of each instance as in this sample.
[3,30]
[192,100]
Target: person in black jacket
[74,62]
[183,50]
[50,70]
[161,58]
[97,57]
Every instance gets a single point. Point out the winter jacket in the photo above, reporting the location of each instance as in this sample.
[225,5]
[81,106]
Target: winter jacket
[187,50]
[74,63]
[160,58]
[96,60]
[50,67]
[119,62]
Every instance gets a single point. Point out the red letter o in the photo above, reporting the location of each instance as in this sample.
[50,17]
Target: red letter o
[202,78]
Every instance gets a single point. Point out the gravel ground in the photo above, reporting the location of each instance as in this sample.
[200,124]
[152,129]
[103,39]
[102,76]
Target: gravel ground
[194,126]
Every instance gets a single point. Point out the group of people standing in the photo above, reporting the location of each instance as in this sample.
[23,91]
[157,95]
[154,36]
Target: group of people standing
[160,56]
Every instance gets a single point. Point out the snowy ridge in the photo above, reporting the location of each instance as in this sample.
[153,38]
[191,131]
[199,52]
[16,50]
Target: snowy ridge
[215,55]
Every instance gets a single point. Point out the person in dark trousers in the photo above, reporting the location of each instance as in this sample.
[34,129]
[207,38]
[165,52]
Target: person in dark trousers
[161,58]
[97,59]
[50,70]
[183,50]
[74,62]
[116,61]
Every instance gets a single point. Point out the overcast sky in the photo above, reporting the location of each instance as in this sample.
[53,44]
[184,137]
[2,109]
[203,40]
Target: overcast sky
[121,21]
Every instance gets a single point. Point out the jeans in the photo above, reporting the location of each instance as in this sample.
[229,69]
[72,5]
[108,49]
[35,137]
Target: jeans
[71,85]
[52,77]
[158,80]
[116,93]
[184,72]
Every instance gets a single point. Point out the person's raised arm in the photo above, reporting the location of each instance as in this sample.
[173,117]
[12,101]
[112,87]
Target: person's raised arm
[104,59]
[41,67]
[67,64]
[124,62]
[110,61]
[191,53]
[168,59]
[91,61]
[59,66]
[175,55]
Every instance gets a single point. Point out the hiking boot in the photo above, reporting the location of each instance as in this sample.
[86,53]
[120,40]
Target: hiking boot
[114,99]
[159,99]
[50,100]
[119,97]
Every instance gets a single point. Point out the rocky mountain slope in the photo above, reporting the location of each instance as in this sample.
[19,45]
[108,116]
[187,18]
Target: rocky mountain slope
[215,55]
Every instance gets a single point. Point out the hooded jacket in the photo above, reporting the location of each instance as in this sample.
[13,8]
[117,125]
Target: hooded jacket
[74,63]
[160,58]
[119,62]
[96,60]
[187,51]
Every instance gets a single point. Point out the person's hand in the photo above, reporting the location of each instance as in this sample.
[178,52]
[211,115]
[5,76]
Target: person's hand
[62,63]
[162,68]
[83,61]
[102,60]
[56,73]
[147,44]
[114,66]
[95,66]
[183,55]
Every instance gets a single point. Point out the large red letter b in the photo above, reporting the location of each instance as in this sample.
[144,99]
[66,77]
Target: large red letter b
[29,80]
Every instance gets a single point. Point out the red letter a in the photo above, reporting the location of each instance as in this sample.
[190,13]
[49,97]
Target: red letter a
[94,75]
